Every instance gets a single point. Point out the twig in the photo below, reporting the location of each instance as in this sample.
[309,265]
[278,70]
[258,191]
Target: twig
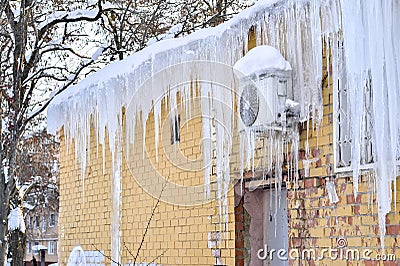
[63,88]
[159,256]
[143,237]
[105,255]
[148,223]
[129,251]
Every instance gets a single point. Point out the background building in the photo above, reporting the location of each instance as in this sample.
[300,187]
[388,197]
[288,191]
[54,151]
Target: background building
[42,232]
[39,171]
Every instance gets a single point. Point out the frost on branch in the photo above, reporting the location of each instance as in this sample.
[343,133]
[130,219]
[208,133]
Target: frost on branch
[16,220]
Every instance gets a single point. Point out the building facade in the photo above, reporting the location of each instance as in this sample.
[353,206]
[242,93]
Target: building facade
[42,233]
[144,202]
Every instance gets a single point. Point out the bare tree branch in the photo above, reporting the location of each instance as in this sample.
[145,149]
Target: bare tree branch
[106,256]
[148,223]
[159,256]
[57,92]
[66,19]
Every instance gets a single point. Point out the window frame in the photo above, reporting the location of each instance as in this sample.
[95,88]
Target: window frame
[52,221]
[36,243]
[336,129]
[36,222]
[29,247]
[367,167]
[175,129]
[51,251]
[44,223]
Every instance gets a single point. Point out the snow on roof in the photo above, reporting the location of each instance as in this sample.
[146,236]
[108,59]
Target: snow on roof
[296,28]
[186,48]
[39,247]
[137,83]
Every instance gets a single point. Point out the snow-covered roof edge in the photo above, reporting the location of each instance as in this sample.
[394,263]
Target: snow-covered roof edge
[295,28]
[100,98]
[119,69]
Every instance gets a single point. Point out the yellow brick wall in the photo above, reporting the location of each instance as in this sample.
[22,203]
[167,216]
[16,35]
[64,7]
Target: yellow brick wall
[315,223]
[84,203]
[180,233]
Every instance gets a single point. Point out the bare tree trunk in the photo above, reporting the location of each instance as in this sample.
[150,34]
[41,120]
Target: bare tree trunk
[3,224]
[17,247]
[18,78]
[3,207]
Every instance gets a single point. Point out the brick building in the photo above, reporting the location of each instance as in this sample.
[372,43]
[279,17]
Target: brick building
[112,202]
[42,231]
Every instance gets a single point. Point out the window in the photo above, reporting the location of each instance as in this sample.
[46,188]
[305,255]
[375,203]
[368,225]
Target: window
[29,247]
[36,245]
[343,129]
[175,129]
[51,247]
[37,222]
[28,222]
[52,221]
[44,223]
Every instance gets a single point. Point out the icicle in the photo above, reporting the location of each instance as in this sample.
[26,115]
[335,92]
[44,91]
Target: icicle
[375,55]
[116,200]
[370,39]
[157,120]
[264,159]
[330,187]
[241,158]
[103,151]
[207,142]
[277,177]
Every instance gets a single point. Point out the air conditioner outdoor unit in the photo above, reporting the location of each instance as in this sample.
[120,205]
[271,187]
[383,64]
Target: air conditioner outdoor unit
[265,94]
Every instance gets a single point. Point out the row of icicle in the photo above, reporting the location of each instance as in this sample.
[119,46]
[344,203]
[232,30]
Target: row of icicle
[368,30]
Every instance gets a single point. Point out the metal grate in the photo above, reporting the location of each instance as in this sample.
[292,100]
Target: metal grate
[343,130]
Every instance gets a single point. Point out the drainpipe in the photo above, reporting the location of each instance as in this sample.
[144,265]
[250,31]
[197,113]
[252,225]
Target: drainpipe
[42,257]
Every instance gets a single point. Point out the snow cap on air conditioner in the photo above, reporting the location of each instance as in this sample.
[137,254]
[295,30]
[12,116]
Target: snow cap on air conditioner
[261,59]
